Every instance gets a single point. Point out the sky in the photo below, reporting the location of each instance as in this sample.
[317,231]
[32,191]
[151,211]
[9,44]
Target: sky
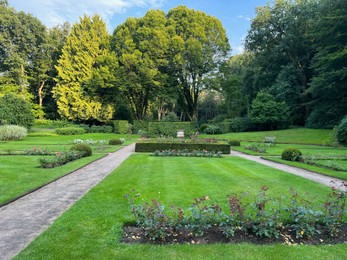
[235,15]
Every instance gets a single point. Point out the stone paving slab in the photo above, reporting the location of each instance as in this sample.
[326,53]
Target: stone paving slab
[26,218]
[313,176]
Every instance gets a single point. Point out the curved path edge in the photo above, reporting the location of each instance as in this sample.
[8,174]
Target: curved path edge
[313,176]
[26,218]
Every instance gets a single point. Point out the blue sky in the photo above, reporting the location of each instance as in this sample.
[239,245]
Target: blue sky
[235,15]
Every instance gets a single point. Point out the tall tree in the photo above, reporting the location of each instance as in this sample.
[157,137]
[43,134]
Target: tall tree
[87,41]
[141,46]
[283,51]
[329,87]
[22,38]
[198,45]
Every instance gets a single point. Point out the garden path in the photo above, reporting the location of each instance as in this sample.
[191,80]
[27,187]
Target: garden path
[26,218]
[326,180]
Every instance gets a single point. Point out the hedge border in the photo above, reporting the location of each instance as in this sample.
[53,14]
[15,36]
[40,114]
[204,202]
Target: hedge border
[150,147]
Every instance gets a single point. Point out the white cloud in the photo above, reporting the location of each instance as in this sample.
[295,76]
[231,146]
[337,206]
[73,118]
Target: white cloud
[238,49]
[53,12]
[244,17]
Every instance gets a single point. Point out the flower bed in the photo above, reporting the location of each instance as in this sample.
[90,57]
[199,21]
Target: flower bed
[153,146]
[265,219]
[186,153]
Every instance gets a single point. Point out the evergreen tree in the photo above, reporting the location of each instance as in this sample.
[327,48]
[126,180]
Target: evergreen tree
[87,41]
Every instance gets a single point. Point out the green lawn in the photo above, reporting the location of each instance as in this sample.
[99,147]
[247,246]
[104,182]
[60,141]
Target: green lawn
[292,136]
[92,228]
[21,174]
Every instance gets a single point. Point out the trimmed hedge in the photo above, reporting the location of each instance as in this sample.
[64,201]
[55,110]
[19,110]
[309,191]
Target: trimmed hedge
[234,143]
[70,131]
[120,126]
[150,147]
[171,128]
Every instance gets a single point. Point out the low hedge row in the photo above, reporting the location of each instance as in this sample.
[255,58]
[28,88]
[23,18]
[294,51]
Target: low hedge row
[150,147]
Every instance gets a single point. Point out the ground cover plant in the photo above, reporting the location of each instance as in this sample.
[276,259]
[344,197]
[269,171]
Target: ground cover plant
[93,226]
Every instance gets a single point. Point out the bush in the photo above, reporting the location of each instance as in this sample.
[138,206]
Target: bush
[241,124]
[52,124]
[256,148]
[70,131]
[202,128]
[292,154]
[213,130]
[341,132]
[152,147]
[85,127]
[60,158]
[15,111]
[121,126]
[140,125]
[170,128]
[12,132]
[116,141]
[170,117]
[82,148]
[234,143]
[101,129]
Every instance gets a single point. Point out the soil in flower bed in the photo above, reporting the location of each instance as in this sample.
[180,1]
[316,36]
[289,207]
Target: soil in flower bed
[136,235]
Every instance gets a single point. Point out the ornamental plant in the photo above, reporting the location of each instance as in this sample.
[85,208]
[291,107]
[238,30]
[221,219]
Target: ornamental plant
[292,154]
[12,132]
[84,149]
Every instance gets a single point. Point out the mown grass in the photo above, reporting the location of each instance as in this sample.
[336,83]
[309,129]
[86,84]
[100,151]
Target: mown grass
[92,228]
[291,136]
[337,174]
[21,174]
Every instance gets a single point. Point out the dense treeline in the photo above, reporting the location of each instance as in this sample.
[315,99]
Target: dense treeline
[293,70]
[295,51]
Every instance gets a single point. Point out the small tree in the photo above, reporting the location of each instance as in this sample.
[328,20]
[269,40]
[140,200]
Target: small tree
[15,111]
[268,113]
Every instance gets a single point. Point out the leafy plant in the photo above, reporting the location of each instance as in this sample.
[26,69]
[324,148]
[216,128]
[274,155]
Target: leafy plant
[234,143]
[213,130]
[12,132]
[83,149]
[70,131]
[291,154]
[60,158]
[116,141]
[187,153]
[38,151]
[256,148]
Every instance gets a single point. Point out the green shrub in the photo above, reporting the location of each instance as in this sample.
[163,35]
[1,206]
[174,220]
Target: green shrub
[15,111]
[70,131]
[202,128]
[12,132]
[85,127]
[60,158]
[213,130]
[116,141]
[341,131]
[234,143]
[256,148]
[170,128]
[148,147]
[170,117]
[121,126]
[52,124]
[83,148]
[101,129]
[292,154]
[140,125]
[241,124]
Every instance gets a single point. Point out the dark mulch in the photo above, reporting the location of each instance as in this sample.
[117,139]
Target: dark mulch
[136,235]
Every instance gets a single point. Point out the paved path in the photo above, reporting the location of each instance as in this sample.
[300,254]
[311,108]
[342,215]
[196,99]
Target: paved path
[25,219]
[326,180]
